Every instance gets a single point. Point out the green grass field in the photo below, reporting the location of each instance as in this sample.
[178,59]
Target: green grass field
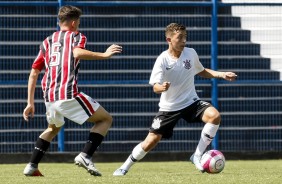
[237,172]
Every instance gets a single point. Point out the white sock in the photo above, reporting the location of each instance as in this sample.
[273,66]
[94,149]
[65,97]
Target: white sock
[207,135]
[137,154]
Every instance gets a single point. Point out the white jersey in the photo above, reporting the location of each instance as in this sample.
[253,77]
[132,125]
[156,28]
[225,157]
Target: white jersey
[180,73]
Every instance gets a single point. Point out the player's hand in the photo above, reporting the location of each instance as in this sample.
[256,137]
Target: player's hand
[230,76]
[113,49]
[165,86]
[28,111]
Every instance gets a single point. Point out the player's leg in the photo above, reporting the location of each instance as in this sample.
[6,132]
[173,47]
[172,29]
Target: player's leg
[138,153]
[56,121]
[83,108]
[41,146]
[162,127]
[102,122]
[212,119]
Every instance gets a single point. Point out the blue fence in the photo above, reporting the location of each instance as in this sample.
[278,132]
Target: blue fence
[250,107]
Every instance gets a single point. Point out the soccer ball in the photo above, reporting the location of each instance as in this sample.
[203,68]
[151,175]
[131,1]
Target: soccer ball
[213,161]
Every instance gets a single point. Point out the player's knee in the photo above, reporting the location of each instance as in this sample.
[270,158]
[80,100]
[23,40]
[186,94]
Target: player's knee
[110,120]
[55,130]
[213,116]
[216,118]
[50,133]
[107,120]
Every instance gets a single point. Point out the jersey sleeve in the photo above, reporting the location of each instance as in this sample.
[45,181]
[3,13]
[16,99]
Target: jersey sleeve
[157,72]
[79,41]
[198,65]
[39,61]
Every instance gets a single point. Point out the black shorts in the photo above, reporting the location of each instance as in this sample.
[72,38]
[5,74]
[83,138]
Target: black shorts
[165,121]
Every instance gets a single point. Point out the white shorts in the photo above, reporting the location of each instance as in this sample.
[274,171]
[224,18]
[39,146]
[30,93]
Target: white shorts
[78,110]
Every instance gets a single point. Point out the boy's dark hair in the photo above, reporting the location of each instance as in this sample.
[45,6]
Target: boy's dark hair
[172,27]
[69,13]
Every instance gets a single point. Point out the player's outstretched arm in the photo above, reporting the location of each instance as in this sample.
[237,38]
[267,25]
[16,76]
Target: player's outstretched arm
[208,73]
[89,55]
[29,110]
[230,76]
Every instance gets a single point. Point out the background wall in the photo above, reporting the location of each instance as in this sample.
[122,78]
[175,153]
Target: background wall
[250,107]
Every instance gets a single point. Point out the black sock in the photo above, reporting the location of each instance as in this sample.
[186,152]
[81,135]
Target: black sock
[93,142]
[40,148]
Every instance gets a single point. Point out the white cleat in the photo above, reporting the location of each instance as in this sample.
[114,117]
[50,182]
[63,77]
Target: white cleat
[31,170]
[120,172]
[195,159]
[87,164]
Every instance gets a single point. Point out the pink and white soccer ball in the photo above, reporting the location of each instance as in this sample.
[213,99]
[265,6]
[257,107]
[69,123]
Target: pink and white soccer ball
[213,161]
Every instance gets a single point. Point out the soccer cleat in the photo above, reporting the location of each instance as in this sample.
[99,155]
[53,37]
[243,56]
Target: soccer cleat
[86,163]
[30,170]
[195,159]
[120,172]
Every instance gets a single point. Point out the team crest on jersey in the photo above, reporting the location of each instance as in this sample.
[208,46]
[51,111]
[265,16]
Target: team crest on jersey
[156,123]
[187,64]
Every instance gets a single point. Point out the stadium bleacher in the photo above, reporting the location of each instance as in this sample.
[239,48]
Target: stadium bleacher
[251,107]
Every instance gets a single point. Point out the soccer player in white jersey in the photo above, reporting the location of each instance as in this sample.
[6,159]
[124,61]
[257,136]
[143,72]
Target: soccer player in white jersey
[60,54]
[173,77]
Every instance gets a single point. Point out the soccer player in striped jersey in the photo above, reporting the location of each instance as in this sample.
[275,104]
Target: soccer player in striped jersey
[173,77]
[60,55]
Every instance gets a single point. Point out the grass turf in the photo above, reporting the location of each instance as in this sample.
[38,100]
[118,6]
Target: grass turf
[251,172]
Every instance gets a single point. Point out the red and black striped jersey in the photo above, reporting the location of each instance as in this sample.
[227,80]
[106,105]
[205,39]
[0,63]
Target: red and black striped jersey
[61,68]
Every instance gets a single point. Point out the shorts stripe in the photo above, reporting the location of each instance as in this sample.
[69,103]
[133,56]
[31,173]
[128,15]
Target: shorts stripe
[85,104]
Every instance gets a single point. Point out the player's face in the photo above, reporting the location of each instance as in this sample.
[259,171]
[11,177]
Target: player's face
[178,40]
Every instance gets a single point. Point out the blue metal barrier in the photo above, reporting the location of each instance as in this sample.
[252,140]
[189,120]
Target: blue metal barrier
[61,134]
[214,64]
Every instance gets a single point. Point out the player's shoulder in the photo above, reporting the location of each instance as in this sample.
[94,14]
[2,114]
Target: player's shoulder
[49,37]
[79,34]
[162,56]
[189,49]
